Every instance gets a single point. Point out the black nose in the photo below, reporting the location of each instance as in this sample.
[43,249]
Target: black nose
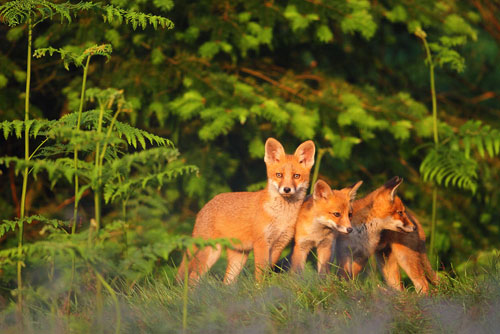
[286,189]
[349,229]
[414,227]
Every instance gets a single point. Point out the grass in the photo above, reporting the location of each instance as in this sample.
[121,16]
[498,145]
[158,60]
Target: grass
[283,303]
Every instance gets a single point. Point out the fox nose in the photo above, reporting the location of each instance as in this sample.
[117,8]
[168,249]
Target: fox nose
[349,229]
[287,190]
[414,227]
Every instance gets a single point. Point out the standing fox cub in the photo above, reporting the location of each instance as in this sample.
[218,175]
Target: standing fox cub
[383,226]
[321,215]
[263,221]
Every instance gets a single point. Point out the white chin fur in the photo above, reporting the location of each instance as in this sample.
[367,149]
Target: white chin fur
[331,224]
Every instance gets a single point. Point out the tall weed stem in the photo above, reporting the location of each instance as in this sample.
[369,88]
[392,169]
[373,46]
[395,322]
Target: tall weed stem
[75,154]
[25,174]
[421,34]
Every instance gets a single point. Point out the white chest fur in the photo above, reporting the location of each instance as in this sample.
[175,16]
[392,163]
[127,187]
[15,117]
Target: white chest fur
[283,214]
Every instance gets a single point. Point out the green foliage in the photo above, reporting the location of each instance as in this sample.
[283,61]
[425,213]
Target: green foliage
[77,57]
[450,167]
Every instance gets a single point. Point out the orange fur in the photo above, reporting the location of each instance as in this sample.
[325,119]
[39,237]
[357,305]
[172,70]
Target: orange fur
[408,251]
[263,221]
[378,211]
[321,215]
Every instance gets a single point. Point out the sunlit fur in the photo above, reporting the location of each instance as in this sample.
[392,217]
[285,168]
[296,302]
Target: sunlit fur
[405,250]
[263,221]
[321,215]
[380,210]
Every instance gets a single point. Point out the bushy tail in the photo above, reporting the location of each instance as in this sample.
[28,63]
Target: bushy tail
[429,272]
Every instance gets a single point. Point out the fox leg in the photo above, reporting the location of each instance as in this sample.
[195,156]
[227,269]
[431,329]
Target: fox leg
[235,262]
[388,265]
[344,266]
[409,260]
[202,261]
[324,258]
[356,268]
[299,257]
[261,253]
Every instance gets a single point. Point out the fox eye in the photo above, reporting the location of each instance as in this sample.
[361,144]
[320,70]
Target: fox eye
[400,213]
[336,214]
[350,214]
[279,175]
[296,176]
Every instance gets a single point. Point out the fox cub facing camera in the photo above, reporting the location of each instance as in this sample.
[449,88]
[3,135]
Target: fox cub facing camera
[321,216]
[263,221]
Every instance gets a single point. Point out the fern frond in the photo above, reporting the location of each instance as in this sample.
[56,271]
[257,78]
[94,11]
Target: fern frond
[113,191]
[134,135]
[10,225]
[445,167]
[159,155]
[482,137]
[55,169]
[68,54]
[113,14]
[17,127]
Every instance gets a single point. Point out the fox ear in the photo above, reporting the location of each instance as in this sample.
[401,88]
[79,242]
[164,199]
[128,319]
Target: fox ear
[305,153]
[354,189]
[274,151]
[321,190]
[392,185]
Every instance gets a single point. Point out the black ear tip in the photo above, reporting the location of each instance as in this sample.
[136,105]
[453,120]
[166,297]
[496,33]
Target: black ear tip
[396,180]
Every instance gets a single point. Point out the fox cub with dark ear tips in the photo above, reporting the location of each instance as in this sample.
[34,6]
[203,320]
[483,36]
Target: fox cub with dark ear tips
[378,211]
[321,216]
[263,221]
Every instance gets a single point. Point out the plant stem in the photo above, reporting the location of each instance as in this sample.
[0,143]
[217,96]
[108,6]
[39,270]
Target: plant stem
[185,295]
[98,173]
[115,300]
[321,153]
[433,225]
[422,36]
[75,155]
[25,175]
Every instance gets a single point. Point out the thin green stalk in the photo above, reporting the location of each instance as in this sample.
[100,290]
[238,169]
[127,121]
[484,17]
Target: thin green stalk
[321,153]
[38,147]
[185,295]
[433,225]
[75,155]
[25,174]
[421,34]
[115,301]
[108,134]
[98,173]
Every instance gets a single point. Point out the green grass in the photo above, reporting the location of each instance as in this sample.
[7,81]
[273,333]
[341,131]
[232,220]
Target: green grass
[283,303]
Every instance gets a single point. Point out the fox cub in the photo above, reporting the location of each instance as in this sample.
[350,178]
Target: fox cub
[321,215]
[405,250]
[263,221]
[378,211]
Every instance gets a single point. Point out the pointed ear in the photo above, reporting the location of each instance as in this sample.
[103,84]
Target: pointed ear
[321,190]
[354,189]
[305,153]
[392,185]
[274,151]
